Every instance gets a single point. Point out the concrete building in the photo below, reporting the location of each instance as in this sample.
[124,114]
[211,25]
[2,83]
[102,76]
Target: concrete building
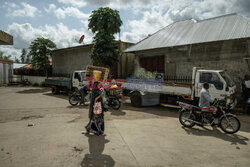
[6,66]
[5,39]
[66,60]
[217,43]
[6,71]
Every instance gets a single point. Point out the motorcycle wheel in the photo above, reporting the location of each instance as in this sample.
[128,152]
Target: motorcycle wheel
[230,124]
[73,100]
[186,114]
[116,104]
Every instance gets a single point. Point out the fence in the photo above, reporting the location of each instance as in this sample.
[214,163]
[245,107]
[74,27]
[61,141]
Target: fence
[20,78]
[180,79]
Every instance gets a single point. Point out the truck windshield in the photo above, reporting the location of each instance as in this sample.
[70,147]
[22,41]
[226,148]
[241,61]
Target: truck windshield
[228,80]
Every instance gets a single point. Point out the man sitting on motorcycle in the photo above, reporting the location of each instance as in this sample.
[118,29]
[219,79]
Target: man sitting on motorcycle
[205,98]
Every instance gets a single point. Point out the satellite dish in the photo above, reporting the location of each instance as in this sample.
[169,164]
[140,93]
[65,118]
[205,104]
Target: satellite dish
[81,39]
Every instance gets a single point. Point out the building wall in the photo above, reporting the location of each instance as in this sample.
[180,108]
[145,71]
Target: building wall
[6,70]
[19,78]
[225,55]
[1,73]
[67,61]
[70,59]
[126,62]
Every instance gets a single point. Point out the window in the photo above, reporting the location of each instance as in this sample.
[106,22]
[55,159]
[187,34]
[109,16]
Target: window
[228,80]
[211,78]
[76,76]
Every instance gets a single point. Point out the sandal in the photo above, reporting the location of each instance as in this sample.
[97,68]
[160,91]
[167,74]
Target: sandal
[85,132]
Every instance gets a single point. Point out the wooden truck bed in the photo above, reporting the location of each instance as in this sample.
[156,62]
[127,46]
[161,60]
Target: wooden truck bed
[163,87]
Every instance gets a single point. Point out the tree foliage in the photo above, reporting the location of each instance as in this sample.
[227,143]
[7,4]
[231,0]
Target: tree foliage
[28,58]
[104,23]
[16,60]
[40,50]
[23,56]
[4,57]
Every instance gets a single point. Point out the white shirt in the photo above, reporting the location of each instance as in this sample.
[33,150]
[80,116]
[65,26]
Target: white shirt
[205,98]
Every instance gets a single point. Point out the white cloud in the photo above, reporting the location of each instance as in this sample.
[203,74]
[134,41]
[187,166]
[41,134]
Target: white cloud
[25,10]
[10,5]
[10,50]
[162,13]
[51,8]
[61,13]
[76,3]
[150,22]
[24,34]
[123,3]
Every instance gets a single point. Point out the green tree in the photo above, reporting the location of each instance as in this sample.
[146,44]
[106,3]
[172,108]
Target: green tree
[104,23]
[40,50]
[4,57]
[23,56]
[28,58]
[16,60]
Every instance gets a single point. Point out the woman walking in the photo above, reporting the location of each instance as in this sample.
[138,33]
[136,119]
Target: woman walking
[96,111]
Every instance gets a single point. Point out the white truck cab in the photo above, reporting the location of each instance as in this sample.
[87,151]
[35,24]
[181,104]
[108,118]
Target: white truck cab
[78,79]
[220,84]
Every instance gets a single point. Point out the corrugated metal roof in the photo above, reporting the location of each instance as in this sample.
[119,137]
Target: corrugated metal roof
[18,65]
[232,26]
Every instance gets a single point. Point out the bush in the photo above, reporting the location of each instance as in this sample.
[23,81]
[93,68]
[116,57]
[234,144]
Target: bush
[35,84]
[42,84]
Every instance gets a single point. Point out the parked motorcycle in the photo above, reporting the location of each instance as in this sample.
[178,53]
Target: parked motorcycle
[112,98]
[113,102]
[79,96]
[218,112]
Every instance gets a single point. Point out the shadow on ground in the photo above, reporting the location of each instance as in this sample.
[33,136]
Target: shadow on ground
[154,110]
[61,96]
[117,112]
[234,139]
[28,91]
[79,106]
[95,157]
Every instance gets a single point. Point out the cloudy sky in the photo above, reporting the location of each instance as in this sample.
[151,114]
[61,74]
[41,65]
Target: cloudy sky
[64,21]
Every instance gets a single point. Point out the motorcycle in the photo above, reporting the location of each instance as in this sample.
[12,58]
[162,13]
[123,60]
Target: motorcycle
[79,96]
[112,98]
[113,102]
[191,115]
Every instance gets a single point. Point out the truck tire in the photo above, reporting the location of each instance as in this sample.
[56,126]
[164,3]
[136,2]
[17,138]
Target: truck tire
[136,99]
[55,90]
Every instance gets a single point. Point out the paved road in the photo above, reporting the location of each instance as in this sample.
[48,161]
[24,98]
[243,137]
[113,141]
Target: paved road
[150,136]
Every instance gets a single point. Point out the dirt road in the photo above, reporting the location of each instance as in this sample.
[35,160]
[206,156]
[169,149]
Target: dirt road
[150,136]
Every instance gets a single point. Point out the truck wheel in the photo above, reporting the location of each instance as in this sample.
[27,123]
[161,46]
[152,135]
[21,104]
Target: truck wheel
[136,99]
